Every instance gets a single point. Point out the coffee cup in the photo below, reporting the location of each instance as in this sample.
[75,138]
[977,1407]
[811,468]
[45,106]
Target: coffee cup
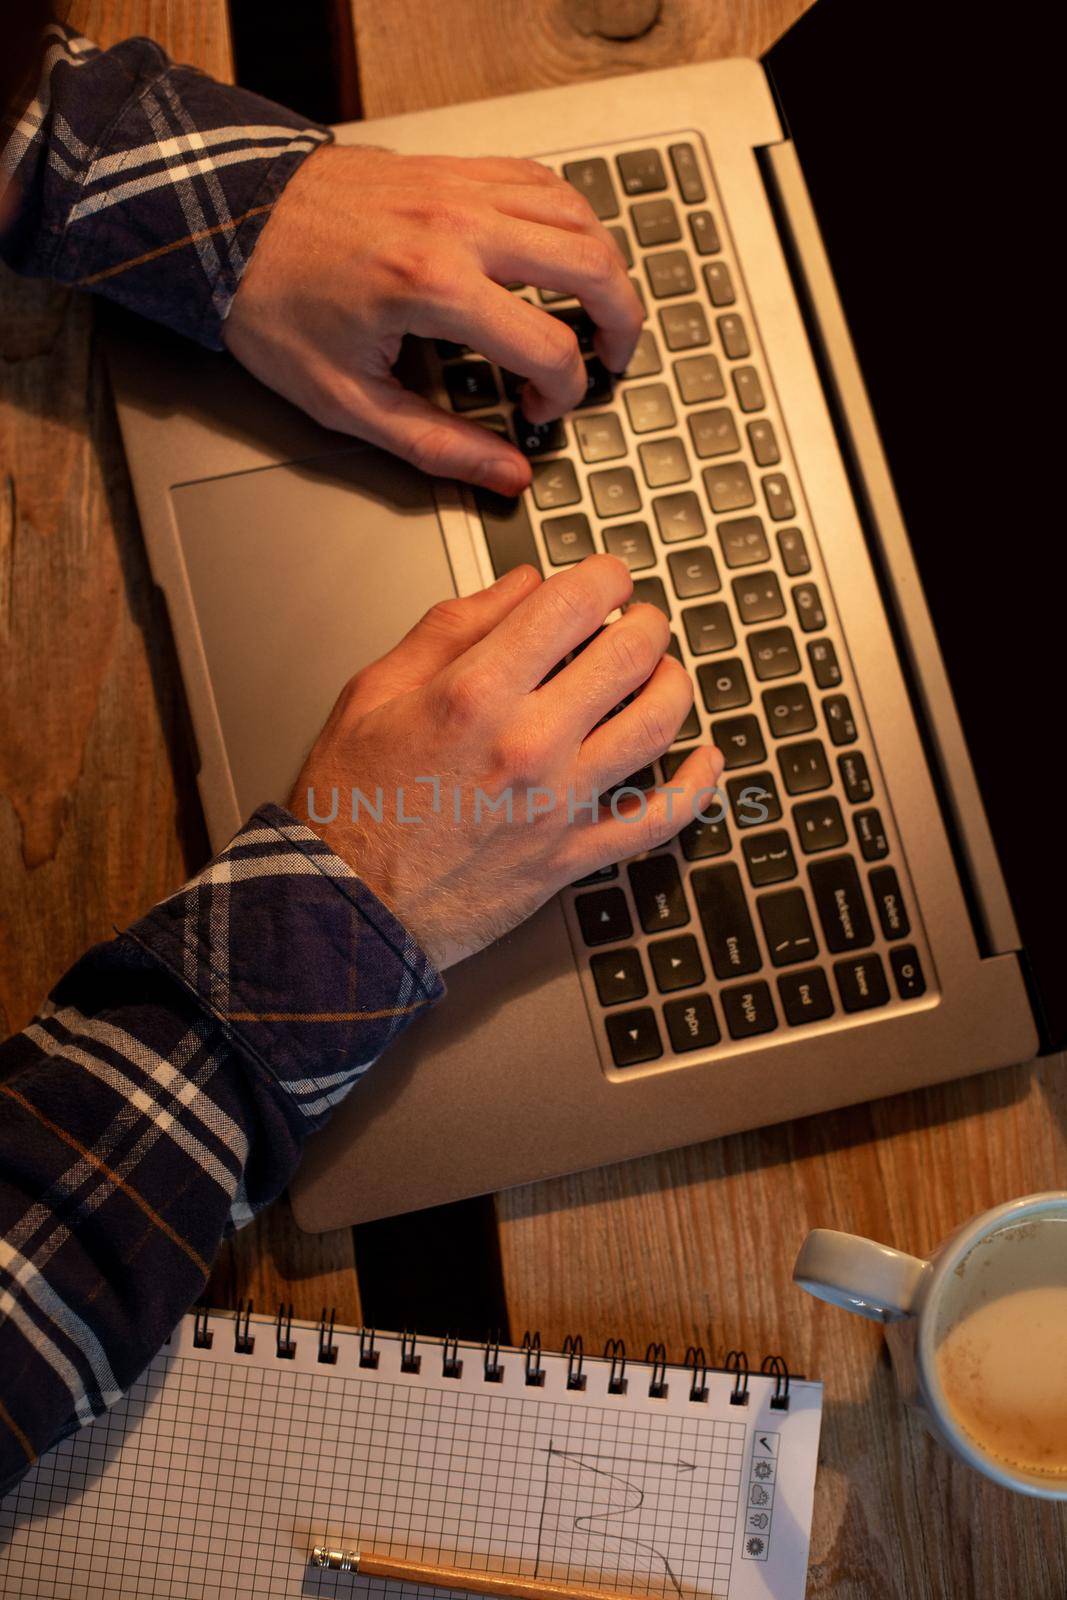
[977,1333]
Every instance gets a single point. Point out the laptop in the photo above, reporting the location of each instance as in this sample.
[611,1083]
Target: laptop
[870,661]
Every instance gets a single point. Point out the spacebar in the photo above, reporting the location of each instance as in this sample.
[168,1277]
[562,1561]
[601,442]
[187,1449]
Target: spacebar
[507,531]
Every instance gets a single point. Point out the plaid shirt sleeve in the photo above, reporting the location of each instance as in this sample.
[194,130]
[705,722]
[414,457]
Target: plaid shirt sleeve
[144,181]
[162,1096]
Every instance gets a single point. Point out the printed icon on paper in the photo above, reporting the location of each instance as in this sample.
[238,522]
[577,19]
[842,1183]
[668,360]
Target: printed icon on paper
[762,1469]
[766,1444]
[759,1495]
[756,1546]
[758,1519]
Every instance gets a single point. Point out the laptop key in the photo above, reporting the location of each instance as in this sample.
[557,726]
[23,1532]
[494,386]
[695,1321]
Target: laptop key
[599,383]
[622,244]
[714,433]
[645,361]
[741,741]
[630,542]
[691,1023]
[855,777]
[758,597]
[593,179]
[555,483]
[733,335]
[509,534]
[835,883]
[705,234]
[700,839]
[778,496]
[650,592]
[724,916]
[749,1010]
[664,462]
[615,492]
[693,572]
[601,875]
[774,654]
[676,963]
[805,997]
[787,927]
[769,858]
[889,903]
[655,222]
[699,378]
[870,835]
[824,663]
[604,916]
[568,538]
[793,551]
[763,442]
[729,487]
[687,173]
[748,389]
[678,517]
[658,894]
[641,171]
[634,1037]
[684,326]
[581,325]
[861,982]
[808,602]
[724,685]
[538,438]
[599,436]
[754,799]
[820,825]
[719,284]
[669,273]
[471,385]
[840,722]
[708,628]
[804,766]
[650,407]
[789,711]
[619,977]
[907,972]
[743,541]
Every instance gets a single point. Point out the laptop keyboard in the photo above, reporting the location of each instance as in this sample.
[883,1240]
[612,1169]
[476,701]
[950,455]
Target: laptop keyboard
[789,908]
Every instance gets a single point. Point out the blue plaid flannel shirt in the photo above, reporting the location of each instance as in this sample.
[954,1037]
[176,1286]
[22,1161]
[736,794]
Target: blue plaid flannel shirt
[164,1091]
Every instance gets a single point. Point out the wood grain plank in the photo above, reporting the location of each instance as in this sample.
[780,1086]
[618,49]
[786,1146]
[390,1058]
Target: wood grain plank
[418,53]
[99,815]
[698,1246]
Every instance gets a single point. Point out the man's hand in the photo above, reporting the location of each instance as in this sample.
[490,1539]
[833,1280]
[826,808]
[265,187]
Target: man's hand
[365,246]
[463,713]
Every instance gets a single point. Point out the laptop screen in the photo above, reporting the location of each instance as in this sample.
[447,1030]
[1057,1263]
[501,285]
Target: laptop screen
[936,195]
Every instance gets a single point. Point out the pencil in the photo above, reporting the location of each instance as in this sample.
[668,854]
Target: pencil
[514,1584]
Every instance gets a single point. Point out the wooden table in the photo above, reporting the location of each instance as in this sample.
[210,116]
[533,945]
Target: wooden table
[99,818]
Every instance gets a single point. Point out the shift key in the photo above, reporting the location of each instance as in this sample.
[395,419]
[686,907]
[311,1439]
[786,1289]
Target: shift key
[728,929]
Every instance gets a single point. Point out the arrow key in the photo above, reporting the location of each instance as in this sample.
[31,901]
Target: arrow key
[676,963]
[618,976]
[604,916]
[634,1037]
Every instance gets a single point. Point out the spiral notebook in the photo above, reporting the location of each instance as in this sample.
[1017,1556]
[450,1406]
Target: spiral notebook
[248,1441]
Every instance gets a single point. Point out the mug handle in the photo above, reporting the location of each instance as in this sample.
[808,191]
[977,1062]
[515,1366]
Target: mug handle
[859,1275]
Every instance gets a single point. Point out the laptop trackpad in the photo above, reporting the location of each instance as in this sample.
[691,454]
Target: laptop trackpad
[301,574]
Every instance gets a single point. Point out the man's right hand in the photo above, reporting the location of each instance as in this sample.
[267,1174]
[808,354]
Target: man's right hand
[464,707]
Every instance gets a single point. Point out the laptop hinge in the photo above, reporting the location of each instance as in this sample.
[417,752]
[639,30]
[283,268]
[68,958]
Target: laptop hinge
[924,668]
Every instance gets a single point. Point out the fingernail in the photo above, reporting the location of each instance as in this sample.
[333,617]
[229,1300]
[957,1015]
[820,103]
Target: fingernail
[517,578]
[502,476]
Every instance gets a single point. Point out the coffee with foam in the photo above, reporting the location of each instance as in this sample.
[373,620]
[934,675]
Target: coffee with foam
[1001,1341]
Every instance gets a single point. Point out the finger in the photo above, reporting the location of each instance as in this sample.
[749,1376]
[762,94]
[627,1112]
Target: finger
[641,731]
[619,660]
[384,413]
[516,335]
[560,615]
[647,821]
[447,630]
[585,265]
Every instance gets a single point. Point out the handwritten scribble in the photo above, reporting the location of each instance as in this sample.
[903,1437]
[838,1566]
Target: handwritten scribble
[632,1499]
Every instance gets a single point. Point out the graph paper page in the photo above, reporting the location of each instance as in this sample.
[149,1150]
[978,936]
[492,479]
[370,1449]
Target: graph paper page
[219,1472]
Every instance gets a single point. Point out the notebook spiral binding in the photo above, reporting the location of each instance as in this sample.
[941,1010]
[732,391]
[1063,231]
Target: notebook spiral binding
[695,1366]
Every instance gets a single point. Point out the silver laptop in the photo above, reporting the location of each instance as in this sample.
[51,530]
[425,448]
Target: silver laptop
[848,934]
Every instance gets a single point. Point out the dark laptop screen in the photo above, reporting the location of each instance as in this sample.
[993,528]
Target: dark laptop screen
[922,134]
